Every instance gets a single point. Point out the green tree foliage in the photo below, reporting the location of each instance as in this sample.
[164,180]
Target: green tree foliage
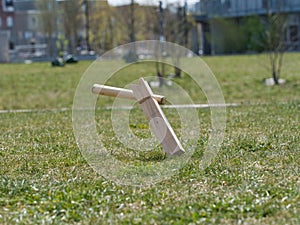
[254,30]
[252,34]
[267,34]
[226,36]
[108,26]
[145,20]
[61,45]
[104,32]
[112,26]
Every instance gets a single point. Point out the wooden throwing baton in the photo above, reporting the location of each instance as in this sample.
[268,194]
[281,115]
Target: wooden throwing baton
[121,93]
[149,104]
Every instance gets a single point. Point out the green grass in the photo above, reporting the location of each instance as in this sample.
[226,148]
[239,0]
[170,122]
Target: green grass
[253,180]
[38,85]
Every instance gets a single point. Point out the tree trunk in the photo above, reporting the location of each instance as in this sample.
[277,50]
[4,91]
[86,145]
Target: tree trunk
[275,77]
[160,73]
[177,72]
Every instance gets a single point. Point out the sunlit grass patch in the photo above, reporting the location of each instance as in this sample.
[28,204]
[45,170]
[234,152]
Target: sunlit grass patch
[44,178]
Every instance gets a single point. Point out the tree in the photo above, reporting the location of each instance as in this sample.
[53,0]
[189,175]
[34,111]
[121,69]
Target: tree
[262,34]
[178,26]
[60,18]
[271,36]
[48,18]
[112,26]
[268,35]
[104,29]
[253,30]
[136,22]
[70,12]
[227,36]
[274,41]
[160,66]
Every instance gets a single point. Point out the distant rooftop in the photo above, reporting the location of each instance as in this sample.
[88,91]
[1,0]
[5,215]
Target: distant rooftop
[237,8]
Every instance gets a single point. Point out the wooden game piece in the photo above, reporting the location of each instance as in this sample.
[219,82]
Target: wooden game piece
[158,122]
[121,93]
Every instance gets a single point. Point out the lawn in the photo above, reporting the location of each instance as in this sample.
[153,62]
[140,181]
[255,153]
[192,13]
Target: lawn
[44,179]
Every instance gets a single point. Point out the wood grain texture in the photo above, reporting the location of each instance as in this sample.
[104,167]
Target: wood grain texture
[121,93]
[158,122]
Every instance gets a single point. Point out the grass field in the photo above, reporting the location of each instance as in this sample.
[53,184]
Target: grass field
[255,178]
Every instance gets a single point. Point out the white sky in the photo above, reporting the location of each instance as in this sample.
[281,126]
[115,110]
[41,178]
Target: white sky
[149,2]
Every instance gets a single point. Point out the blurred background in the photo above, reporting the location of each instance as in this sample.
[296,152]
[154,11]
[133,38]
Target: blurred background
[40,30]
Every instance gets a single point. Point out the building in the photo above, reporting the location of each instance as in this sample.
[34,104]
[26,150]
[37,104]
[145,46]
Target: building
[20,31]
[205,11]
[27,38]
[6,15]
[27,26]
[6,25]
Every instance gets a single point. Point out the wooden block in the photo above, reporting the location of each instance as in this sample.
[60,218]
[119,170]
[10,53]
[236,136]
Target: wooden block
[158,122]
[121,93]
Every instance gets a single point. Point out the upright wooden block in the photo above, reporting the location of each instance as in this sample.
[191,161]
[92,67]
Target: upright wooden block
[158,122]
